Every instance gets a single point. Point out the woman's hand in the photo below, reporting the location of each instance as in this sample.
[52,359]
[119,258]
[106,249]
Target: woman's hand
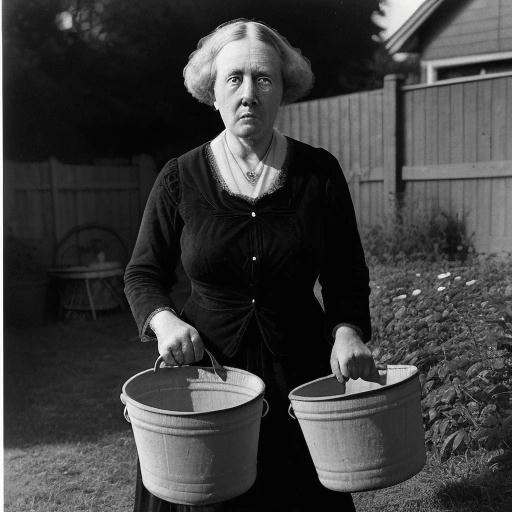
[178,342]
[351,358]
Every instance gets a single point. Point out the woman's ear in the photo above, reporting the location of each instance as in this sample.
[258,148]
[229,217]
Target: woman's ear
[215,106]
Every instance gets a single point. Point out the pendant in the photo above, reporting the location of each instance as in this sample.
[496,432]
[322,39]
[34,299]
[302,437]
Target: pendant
[252,176]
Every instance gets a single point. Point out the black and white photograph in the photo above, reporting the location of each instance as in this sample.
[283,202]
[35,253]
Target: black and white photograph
[257,255]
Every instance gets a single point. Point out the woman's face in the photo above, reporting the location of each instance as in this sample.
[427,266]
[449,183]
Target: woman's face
[248,88]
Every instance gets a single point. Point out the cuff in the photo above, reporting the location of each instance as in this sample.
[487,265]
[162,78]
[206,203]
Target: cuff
[147,333]
[355,327]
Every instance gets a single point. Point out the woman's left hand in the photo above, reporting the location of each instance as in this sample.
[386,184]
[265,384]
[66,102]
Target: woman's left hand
[351,358]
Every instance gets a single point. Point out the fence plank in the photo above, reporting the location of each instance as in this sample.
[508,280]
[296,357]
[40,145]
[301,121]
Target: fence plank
[364,140]
[457,124]
[408,124]
[498,121]
[376,130]
[324,122]
[419,114]
[508,109]
[484,197]
[334,129]
[431,127]
[508,209]
[305,128]
[484,107]
[470,200]
[498,205]
[345,128]
[355,133]
[456,199]
[314,123]
[55,200]
[470,121]
[443,128]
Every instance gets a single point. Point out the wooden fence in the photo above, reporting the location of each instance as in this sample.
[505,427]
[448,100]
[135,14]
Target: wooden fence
[43,201]
[444,146]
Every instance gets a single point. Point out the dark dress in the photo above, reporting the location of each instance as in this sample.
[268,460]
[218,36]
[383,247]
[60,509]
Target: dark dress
[252,266]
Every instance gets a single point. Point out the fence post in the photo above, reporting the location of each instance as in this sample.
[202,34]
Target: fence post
[392,145]
[147,175]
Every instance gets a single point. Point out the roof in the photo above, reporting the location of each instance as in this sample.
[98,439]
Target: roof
[406,31]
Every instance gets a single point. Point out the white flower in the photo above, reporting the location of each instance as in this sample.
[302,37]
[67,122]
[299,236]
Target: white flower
[443,276]
[416,292]
[457,278]
[418,275]
[469,283]
[441,288]
[401,297]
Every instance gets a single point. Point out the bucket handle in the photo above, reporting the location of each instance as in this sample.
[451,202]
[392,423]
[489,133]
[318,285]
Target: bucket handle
[218,369]
[126,416]
[379,366]
[266,410]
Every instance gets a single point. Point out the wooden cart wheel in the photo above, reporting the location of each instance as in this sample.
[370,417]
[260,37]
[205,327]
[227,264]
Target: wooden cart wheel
[90,243]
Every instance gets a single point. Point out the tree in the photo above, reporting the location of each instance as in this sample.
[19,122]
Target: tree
[104,77]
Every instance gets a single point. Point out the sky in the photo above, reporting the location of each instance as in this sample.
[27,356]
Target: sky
[396,12]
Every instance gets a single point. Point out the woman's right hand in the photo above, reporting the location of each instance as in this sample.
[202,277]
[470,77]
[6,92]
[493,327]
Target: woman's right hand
[178,342]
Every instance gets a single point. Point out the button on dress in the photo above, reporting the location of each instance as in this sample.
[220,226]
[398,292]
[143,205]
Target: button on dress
[252,266]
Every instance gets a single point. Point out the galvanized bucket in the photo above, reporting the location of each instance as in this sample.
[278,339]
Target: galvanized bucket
[196,430]
[363,435]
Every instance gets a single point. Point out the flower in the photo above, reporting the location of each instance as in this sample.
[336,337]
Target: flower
[443,276]
[418,275]
[457,278]
[469,283]
[441,288]
[400,297]
[416,292]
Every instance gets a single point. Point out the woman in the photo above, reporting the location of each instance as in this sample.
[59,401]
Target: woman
[255,217]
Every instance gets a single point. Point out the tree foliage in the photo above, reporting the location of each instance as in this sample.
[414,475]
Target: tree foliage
[111,83]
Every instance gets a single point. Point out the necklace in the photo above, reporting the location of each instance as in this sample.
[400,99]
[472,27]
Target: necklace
[252,175]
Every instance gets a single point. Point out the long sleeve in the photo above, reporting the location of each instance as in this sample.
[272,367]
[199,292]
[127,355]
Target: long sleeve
[344,276]
[151,271]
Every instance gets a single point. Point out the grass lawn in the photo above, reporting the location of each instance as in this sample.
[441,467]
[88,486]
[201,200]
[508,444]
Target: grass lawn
[68,447]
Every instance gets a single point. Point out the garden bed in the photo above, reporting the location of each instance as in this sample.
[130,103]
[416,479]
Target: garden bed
[68,447]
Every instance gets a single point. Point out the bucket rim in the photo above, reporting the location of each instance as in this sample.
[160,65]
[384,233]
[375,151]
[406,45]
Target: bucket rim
[125,398]
[293,397]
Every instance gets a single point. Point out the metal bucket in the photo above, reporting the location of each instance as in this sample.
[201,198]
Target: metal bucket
[363,435]
[196,430]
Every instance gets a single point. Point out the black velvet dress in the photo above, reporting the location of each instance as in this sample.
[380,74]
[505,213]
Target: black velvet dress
[252,266]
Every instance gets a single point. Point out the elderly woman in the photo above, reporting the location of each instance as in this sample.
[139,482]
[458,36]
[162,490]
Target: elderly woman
[256,218]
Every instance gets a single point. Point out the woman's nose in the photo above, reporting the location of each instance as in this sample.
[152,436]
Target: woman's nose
[249,96]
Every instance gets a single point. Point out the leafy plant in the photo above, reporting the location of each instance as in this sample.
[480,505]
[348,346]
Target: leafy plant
[457,329]
[435,237]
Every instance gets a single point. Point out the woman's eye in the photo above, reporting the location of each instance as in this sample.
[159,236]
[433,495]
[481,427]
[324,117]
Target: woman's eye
[264,82]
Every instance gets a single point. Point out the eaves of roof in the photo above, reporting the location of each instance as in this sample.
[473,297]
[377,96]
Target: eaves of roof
[398,39]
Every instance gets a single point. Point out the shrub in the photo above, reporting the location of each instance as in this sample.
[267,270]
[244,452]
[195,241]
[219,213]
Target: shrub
[434,237]
[457,330]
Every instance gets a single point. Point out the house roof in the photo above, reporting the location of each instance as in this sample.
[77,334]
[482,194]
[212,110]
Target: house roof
[398,39]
